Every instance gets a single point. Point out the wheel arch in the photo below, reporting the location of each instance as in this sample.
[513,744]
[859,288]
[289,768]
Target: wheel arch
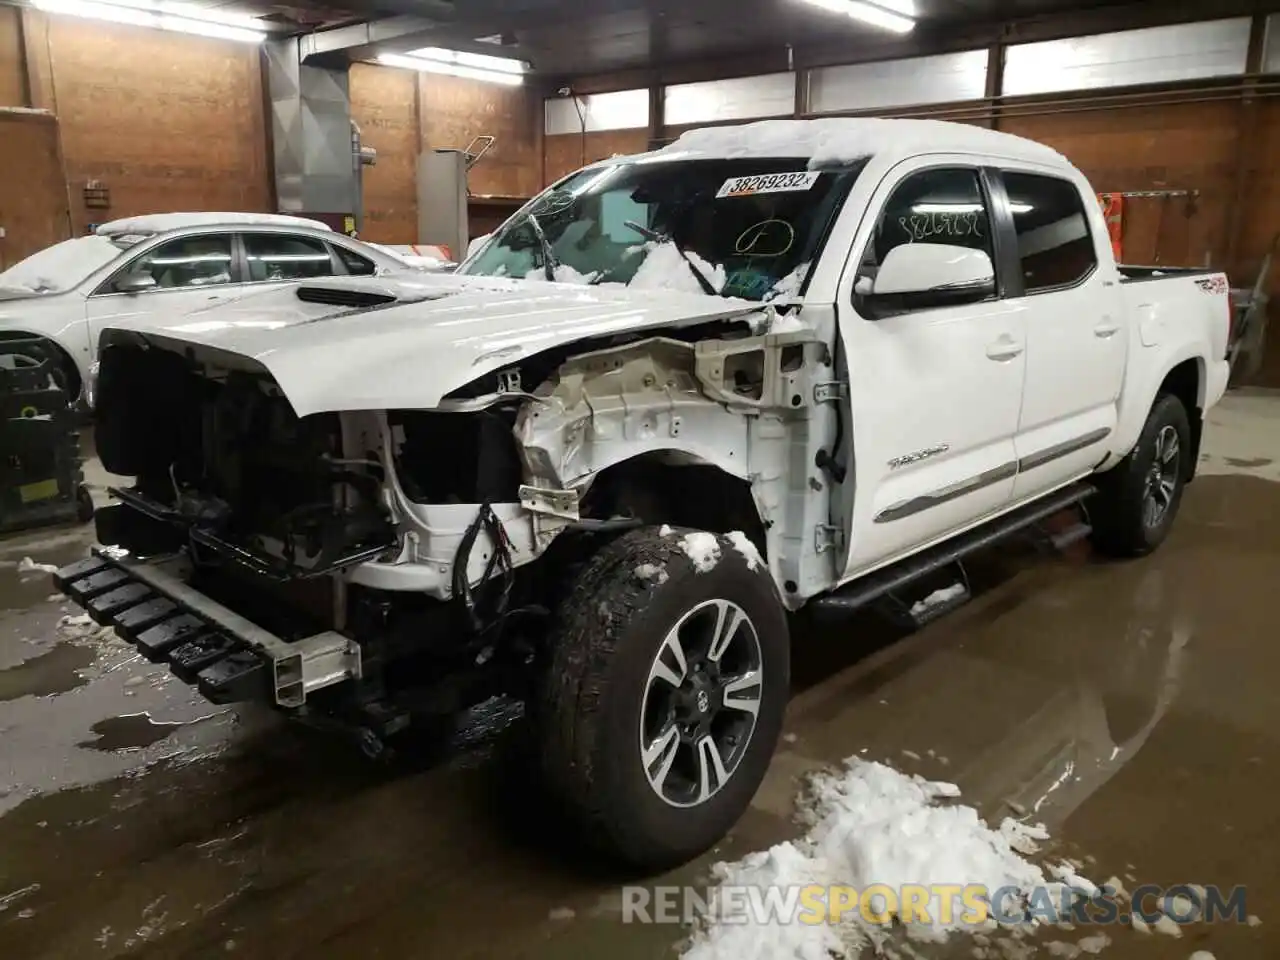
[1183,374]
[680,488]
[61,353]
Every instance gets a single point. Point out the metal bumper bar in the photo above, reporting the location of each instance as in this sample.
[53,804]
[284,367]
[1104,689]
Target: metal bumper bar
[150,605]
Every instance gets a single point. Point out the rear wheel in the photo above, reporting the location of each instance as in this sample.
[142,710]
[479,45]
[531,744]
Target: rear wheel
[664,695]
[1139,499]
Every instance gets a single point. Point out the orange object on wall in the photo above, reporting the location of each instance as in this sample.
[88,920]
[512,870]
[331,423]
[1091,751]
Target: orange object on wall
[1113,211]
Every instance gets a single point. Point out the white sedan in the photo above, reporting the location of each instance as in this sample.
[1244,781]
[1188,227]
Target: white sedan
[55,302]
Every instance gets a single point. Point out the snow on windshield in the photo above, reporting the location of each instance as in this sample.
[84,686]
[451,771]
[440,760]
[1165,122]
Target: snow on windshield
[665,269]
[60,267]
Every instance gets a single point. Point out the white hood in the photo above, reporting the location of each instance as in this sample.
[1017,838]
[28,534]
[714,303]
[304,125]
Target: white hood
[443,332]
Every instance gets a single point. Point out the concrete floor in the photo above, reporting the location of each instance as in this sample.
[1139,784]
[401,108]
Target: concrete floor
[1134,707]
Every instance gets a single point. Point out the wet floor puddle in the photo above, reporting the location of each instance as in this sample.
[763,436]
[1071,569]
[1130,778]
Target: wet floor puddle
[55,671]
[133,731]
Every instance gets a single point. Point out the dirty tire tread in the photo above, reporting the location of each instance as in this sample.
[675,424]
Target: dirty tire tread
[1118,528]
[572,699]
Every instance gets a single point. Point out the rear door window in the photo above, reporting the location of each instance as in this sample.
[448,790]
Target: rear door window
[1055,247]
[283,256]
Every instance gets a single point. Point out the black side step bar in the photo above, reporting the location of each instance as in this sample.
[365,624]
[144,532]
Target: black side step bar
[872,587]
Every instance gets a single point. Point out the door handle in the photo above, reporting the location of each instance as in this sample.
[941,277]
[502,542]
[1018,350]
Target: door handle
[1005,348]
[1106,330]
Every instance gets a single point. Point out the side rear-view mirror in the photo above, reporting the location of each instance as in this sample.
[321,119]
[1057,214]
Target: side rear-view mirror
[916,276]
[135,283]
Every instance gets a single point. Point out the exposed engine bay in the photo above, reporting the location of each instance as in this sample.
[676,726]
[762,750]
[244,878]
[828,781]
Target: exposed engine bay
[412,532]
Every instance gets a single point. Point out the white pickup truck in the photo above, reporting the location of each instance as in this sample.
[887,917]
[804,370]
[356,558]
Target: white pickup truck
[675,397]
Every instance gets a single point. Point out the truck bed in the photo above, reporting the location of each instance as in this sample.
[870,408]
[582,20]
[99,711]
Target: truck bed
[1136,274]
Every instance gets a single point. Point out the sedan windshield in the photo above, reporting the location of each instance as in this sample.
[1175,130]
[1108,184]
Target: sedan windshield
[62,266]
[746,228]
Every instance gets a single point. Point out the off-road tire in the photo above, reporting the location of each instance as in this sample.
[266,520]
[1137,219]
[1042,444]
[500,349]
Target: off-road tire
[1117,511]
[588,706]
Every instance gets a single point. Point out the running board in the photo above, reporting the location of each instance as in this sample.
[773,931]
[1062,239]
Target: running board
[874,586]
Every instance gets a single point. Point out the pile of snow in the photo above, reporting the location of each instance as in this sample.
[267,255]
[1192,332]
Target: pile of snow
[60,267]
[702,549]
[742,543]
[665,269]
[845,139]
[870,825]
[937,598]
[28,567]
[788,288]
[160,222]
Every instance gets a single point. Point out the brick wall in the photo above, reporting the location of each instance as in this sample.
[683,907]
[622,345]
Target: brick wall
[454,111]
[384,104]
[166,121]
[567,152]
[33,196]
[12,69]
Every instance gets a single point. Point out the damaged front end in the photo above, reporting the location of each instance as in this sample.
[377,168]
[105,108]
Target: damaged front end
[295,560]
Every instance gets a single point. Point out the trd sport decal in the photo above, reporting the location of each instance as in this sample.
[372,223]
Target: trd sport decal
[768,183]
[1216,284]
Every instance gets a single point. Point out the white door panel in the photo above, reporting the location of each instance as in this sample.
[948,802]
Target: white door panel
[935,392]
[121,308]
[925,386]
[1077,344]
[190,273]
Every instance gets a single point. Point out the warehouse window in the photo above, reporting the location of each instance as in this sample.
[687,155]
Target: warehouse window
[1054,243]
[199,261]
[279,256]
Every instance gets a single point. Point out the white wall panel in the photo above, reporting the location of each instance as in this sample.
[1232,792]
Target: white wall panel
[744,98]
[1271,49]
[624,110]
[899,83]
[1186,51]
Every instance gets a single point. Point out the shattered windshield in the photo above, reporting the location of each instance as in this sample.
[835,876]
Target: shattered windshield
[746,228]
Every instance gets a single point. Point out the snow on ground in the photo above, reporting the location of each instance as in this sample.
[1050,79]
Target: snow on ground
[703,549]
[61,266]
[869,825]
[946,595]
[28,567]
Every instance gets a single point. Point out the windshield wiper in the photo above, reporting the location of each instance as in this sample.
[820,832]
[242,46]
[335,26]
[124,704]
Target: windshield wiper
[650,234]
[549,261]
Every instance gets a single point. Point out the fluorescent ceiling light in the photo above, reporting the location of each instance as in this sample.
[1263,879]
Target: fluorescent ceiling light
[506,76]
[163,15]
[878,14]
[478,61]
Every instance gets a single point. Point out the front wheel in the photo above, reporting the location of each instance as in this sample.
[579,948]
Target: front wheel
[1139,499]
[663,698]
